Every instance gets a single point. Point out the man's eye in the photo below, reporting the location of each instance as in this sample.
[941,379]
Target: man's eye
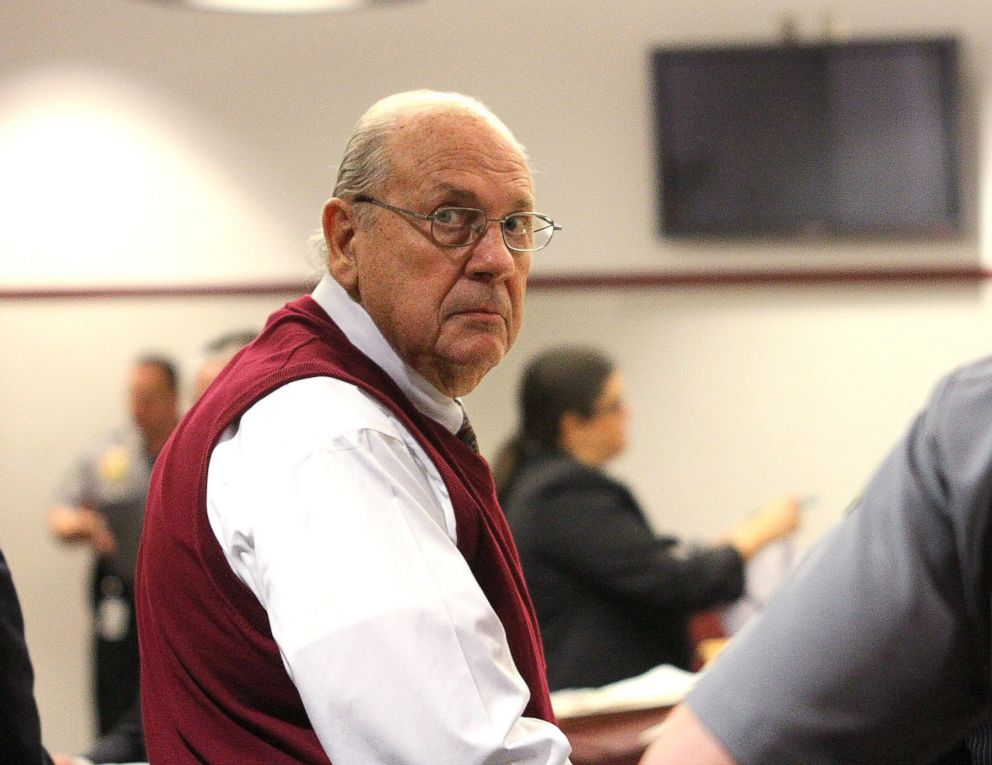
[518,224]
[449,216]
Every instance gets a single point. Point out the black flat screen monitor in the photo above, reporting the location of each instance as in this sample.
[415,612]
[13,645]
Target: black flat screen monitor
[855,138]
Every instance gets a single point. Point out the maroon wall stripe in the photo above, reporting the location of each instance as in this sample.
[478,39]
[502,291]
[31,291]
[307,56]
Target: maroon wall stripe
[547,281]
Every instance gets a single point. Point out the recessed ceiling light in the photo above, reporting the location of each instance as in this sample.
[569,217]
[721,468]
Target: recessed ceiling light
[279,6]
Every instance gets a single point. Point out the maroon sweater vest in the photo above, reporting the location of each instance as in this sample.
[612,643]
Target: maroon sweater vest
[213,686]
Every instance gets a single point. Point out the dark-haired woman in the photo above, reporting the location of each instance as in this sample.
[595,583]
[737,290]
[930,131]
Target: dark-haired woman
[613,599]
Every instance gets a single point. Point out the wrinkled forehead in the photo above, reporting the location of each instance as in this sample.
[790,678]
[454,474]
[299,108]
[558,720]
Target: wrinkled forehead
[444,147]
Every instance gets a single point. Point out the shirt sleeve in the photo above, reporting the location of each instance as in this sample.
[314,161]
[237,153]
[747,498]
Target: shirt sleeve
[600,537]
[877,650]
[331,518]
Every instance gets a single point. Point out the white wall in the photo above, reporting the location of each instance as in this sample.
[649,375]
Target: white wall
[141,144]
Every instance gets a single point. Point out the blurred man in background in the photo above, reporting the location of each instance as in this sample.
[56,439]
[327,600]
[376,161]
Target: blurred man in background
[102,506]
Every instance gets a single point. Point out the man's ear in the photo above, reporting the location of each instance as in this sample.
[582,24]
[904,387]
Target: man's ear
[339,233]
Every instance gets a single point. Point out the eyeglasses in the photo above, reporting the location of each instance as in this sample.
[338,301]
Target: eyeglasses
[464,226]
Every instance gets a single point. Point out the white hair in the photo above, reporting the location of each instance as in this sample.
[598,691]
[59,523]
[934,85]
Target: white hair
[366,166]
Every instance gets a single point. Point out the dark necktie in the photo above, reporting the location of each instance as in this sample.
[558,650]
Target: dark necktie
[979,743]
[466,434]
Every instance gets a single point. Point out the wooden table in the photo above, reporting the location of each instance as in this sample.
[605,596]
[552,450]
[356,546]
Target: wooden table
[610,739]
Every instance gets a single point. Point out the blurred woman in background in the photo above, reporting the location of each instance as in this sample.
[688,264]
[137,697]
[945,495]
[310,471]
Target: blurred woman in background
[613,599]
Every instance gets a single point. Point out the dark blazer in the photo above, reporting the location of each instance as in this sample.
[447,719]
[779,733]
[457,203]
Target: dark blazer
[613,599]
[20,726]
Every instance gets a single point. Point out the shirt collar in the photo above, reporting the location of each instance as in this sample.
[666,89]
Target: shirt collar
[359,328]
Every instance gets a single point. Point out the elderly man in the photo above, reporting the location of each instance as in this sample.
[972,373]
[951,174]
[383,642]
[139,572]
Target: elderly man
[325,574]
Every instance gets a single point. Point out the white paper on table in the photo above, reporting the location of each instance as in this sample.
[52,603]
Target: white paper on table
[665,685]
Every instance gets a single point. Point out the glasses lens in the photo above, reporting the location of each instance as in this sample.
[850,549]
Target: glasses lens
[457,226]
[527,231]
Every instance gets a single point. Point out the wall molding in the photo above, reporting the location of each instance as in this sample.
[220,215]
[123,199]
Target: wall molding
[538,281]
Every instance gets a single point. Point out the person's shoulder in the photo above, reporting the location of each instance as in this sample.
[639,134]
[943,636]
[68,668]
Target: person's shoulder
[976,373]
[121,435]
[319,407]
[556,473]
[122,440]
[966,387]
[563,467]
[958,415]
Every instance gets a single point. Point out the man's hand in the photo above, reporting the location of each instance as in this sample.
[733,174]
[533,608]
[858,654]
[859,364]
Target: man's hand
[82,524]
[68,759]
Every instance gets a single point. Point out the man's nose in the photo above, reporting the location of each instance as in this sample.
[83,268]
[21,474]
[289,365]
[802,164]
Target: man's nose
[490,257]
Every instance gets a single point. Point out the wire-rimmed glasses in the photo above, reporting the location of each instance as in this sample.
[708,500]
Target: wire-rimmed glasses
[464,226]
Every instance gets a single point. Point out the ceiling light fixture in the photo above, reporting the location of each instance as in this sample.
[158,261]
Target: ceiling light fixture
[279,6]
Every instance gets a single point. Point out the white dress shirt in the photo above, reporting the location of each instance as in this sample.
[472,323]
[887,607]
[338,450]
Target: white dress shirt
[328,509]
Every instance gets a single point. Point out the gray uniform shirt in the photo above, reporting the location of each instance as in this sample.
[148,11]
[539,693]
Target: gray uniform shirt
[113,479]
[877,650]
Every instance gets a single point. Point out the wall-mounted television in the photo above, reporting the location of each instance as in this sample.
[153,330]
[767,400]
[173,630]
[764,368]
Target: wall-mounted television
[855,138]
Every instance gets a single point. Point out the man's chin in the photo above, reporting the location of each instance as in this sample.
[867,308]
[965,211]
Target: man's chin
[486,351]
[467,363]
